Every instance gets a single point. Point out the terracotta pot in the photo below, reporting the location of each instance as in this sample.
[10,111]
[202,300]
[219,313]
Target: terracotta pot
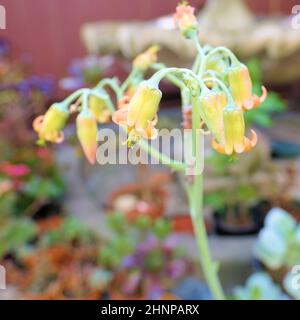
[59,254]
[153,209]
[182,223]
[50,223]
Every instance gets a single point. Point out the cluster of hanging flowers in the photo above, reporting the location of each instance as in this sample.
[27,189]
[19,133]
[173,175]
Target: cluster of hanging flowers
[133,113]
[225,93]
[223,112]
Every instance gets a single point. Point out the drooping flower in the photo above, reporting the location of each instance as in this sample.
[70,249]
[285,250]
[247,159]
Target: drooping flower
[212,104]
[147,58]
[49,126]
[99,109]
[233,139]
[87,134]
[241,88]
[139,116]
[185,19]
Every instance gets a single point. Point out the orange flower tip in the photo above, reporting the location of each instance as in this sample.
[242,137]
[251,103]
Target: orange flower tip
[90,154]
[120,116]
[218,147]
[73,108]
[37,122]
[263,97]
[256,100]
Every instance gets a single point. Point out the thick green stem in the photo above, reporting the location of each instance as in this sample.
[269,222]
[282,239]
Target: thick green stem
[128,80]
[209,267]
[113,84]
[195,196]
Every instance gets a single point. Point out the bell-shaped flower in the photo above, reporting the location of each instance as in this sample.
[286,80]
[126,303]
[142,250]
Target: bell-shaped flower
[87,134]
[211,110]
[49,126]
[99,109]
[241,88]
[139,116]
[234,140]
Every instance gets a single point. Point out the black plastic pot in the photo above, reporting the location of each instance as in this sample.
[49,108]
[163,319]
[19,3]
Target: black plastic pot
[284,149]
[257,215]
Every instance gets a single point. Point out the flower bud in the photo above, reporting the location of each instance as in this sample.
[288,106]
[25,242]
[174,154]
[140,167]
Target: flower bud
[144,60]
[98,108]
[87,134]
[49,126]
[185,20]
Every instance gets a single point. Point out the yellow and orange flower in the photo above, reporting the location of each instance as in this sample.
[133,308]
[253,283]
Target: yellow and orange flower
[212,104]
[87,134]
[144,60]
[241,88]
[49,126]
[185,19]
[99,109]
[233,139]
[139,116]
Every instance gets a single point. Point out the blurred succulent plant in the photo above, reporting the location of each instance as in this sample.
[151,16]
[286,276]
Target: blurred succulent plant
[259,286]
[17,232]
[278,243]
[145,253]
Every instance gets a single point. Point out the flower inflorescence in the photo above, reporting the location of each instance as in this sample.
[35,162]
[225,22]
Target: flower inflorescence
[218,87]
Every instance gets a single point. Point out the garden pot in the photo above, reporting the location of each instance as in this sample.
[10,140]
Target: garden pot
[182,223]
[249,225]
[127,199]
[47,210]
[50,223]
[284,149]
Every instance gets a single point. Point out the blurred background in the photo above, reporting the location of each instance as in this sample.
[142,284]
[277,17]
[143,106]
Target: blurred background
[64,234]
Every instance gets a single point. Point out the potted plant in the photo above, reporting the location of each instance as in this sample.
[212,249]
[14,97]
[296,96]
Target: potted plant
[55,260]
[146,197]
[238,212]
[259,286]
[140,255]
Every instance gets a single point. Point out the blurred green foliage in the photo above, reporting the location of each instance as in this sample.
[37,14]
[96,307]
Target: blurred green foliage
[262,115]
